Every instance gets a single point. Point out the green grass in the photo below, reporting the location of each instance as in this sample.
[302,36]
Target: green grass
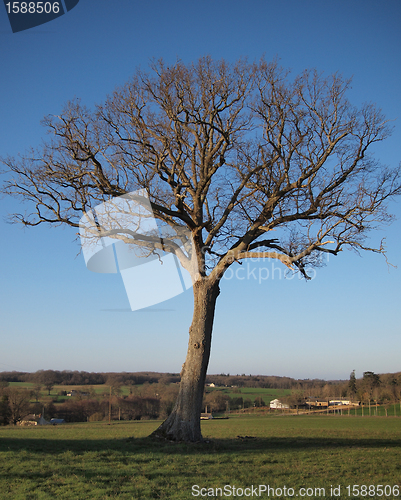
[246,393]
[99,389]
[23,385]
[100,461]
[252,393]
[44,396]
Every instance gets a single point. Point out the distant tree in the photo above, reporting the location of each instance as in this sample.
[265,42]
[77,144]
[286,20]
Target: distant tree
[47,378]
[259,402]
[50,410]
[395,388]
[152,407]
[132,408]
[168,396]
[216,401]
[327,391]
[76,378]
[343,390]
[294,399]
[76,411]
[371,378]
[248,403]
[352,383]
[18,401]
[49,387]
[36,391]
[115,382]
[238,161]
[237,403]
[385,396]
[5,411]
[167,379]
[35,408]
[131,383]
[370,381]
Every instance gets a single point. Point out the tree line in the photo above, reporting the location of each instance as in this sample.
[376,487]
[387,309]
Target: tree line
[152,395]
[68,377]
[71,378]
[385,384]
[146,401]
[370,388]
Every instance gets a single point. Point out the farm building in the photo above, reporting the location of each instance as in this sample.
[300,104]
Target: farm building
[57,421]
[277,404]
[317,403]
[345,402]
[33,419]
[77,393]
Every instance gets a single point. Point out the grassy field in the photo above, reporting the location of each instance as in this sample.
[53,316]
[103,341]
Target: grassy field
[246,393]
[98,389]
[251,393]
[100,461]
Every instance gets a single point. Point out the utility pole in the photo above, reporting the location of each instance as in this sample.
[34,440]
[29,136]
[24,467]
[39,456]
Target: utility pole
[110,407]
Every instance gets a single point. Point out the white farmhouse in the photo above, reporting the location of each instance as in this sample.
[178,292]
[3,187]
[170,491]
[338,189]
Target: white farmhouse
[277,404]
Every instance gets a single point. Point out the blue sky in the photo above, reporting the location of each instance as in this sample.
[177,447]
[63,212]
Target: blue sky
[55,314]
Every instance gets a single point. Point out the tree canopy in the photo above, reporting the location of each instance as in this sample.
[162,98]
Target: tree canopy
[230,151]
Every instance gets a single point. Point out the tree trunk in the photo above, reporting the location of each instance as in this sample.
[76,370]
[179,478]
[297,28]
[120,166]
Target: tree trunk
[183,424]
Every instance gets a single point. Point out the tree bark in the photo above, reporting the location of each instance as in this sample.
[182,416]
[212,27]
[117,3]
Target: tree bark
[183,424]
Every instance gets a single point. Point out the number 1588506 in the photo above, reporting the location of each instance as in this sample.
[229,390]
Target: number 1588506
[33,7]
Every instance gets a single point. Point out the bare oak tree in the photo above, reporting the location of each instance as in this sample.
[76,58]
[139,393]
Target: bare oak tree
[252,162]
[18,402]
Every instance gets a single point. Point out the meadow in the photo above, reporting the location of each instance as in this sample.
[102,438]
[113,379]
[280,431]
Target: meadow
[251,393]
[248,392]
[323,454]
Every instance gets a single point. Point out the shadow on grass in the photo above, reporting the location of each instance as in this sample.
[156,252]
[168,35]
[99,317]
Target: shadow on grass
[152,445]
